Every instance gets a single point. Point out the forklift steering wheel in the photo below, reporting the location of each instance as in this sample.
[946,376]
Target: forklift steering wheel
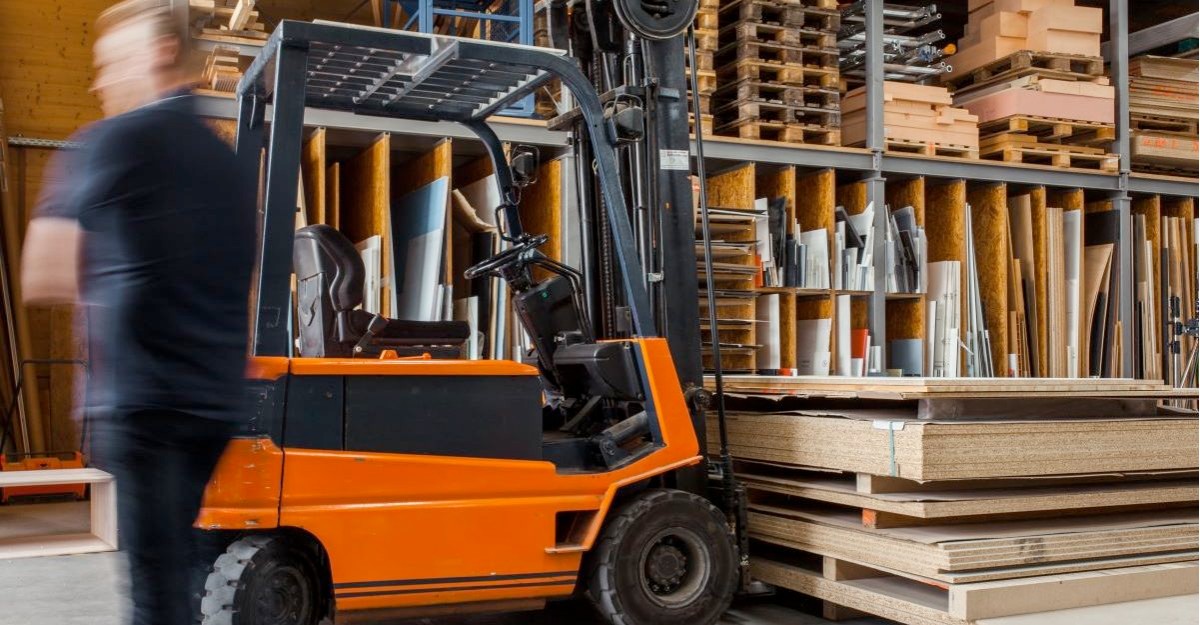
[507,257]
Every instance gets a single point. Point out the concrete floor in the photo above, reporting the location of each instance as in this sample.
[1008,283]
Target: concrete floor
[91,589]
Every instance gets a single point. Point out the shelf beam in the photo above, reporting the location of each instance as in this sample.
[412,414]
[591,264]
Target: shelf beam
[1156,36]
[511,131]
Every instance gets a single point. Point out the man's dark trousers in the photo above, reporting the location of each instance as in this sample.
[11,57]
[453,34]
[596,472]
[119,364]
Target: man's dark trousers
[162,461]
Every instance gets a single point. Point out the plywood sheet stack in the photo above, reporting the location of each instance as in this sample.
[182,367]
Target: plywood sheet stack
[916,118]
[990,499]
[1031,71]
[706,76]
[777,67]
[1163,114]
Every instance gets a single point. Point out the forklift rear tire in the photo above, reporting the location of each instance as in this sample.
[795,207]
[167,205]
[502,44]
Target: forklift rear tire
[666,557]
[261,580]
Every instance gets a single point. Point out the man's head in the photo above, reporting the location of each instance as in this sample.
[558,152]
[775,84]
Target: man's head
[139,54]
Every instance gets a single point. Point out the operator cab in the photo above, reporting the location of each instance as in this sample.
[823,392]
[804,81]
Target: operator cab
[594,414]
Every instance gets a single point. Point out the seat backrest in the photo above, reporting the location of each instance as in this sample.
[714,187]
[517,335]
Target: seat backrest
[321,249]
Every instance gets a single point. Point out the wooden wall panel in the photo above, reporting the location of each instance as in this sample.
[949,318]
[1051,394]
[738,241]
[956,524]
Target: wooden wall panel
[365,201]
[46,66]
[312,164]
[989,220]
[733,188]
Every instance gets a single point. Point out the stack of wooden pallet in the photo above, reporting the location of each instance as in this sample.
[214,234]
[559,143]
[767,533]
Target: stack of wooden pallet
[992,498]
[997,28]
[1031,71]
[225,22]
[777,67]
[916,118]
[706,76]
[1163,113]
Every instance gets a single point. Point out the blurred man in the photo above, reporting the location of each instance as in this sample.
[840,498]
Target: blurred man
[154,227]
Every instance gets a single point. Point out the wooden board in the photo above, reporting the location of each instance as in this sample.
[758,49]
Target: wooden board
[989,219]
[942,388]
[960,450]
[976,552]
[915,603]
[102,513]
[365,201]
[959,501]
[312,164]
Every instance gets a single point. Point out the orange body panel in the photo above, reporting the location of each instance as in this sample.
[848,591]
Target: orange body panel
[244,490]
[407,530]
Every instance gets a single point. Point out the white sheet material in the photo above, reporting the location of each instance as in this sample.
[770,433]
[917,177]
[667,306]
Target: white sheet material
[1073,260]
[812,346]
[944,289]
[767,311]
[371,250]
[843,335]
[418,229]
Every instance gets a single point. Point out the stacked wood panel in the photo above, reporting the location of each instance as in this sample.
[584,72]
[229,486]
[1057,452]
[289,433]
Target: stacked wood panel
[1163,114]
[777,71]
[1031,71]
[916,118]
[990,499]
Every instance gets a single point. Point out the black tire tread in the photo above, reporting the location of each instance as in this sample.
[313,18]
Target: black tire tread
[601,577]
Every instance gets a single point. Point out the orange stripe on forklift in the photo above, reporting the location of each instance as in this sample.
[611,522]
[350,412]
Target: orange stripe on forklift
[457,580]
[417,591]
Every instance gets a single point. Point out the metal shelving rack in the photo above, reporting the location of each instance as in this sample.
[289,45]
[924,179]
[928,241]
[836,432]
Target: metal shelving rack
[871,163]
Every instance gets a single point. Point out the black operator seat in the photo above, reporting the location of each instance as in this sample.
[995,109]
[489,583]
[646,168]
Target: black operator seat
[330,276]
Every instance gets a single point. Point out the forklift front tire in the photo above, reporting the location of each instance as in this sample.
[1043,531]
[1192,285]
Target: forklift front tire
[261,580]
[666,557]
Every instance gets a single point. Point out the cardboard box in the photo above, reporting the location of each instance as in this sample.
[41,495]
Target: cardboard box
[1064,42]
[1073,18]
[987,7]
[1041,104]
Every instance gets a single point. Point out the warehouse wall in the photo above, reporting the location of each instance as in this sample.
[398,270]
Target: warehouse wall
[45,72]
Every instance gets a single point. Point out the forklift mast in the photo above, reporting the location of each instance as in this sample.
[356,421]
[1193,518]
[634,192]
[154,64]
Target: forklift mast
[633,54]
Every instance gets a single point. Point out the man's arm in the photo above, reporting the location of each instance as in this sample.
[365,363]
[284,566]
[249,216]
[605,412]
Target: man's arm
[50,261]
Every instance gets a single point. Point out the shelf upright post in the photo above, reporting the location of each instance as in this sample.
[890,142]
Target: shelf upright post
[1118,29]
[875,181]
[272,319]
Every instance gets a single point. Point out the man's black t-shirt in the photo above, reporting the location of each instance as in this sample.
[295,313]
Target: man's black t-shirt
[168,222]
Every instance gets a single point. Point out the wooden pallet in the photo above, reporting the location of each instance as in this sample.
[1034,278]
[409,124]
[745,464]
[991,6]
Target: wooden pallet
[1027,62]
[790,14]
[704,60]
[1051,130]
[706,19]
[882,592]
[706,124]
[808,56]
[930,148]
[778,111]
[784,73]
[1139,121]
[706,81]
[758,31]
[781,131]
[808,98]
[1017,148]
[707,39]
[705,103]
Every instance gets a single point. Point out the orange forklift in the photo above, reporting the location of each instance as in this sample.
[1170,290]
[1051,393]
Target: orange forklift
[382,476]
